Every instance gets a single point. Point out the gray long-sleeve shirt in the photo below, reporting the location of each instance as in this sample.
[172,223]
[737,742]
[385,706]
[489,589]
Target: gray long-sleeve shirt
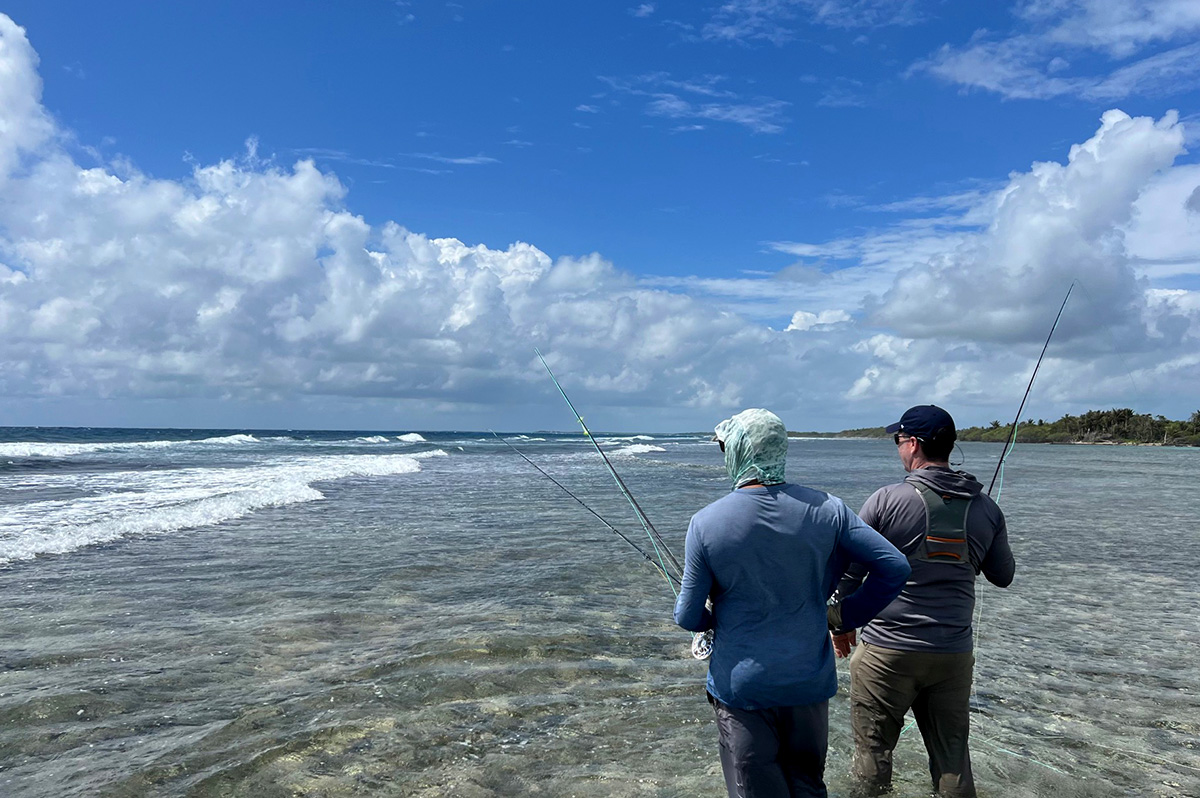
[933,612]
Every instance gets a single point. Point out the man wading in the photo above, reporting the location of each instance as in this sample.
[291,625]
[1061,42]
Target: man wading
[918,652]
[769,555]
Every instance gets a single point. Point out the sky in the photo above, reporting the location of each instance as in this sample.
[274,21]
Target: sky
[368,215]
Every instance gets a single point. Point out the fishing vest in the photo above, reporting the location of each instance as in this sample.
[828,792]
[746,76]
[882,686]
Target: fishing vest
[945,540]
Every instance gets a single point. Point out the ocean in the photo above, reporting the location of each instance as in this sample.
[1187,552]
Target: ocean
[411,613]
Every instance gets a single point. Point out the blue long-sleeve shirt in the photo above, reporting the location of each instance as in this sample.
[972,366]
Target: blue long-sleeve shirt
[769,558]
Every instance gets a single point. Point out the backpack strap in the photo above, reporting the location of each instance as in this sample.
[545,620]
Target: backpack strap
[945,528]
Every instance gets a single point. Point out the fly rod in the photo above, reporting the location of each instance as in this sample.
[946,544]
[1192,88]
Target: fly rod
[1012,432]
[669,576]
[656,541]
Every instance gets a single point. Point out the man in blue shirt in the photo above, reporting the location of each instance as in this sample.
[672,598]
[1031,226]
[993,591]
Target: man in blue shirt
[760,566]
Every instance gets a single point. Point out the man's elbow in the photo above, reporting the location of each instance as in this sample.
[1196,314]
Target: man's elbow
[690,621]
[694,619]
[898,573]
[1002,579]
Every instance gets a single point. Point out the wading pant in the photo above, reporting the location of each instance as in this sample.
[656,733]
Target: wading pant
[884,684]
[773,753]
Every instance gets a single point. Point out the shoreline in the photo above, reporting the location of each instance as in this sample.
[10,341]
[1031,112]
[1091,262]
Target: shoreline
[839,436]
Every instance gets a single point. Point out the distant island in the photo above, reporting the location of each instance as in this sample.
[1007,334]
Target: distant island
[1116,426]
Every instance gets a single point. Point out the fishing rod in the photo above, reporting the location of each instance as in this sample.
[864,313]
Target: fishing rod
[1012,433]
[669,576]
[702,642]
[656,541]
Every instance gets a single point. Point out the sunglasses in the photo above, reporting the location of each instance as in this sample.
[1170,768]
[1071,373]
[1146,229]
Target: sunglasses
[897,438]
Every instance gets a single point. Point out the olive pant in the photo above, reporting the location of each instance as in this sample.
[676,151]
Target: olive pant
[885,684]
[773,753]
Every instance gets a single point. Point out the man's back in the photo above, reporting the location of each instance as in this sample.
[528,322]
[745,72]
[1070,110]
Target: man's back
[769,557]
[933,612]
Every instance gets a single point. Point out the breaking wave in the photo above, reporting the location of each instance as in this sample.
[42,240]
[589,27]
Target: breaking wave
[61,450]
[637,448]
[127,503]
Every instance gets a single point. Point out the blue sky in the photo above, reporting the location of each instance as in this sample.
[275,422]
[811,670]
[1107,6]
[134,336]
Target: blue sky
[366,215]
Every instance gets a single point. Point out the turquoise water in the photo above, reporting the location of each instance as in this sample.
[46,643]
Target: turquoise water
[251,613]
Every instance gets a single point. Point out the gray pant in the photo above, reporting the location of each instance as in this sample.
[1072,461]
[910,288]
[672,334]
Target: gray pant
[884,684]
[773,753]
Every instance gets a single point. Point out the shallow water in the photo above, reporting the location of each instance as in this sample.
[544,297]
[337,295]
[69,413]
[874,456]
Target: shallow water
[282,614]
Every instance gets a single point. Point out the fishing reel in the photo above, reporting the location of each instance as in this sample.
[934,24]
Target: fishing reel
[702,645]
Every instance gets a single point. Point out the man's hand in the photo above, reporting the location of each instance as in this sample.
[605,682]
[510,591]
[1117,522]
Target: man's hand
[842,644]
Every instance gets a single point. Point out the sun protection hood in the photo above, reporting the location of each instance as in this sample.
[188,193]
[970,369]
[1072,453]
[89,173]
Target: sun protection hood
[755,443]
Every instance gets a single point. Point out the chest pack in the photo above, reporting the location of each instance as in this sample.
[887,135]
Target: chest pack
[945,540]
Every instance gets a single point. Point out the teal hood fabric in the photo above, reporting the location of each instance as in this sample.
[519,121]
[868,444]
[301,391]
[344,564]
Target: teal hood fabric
[755,447]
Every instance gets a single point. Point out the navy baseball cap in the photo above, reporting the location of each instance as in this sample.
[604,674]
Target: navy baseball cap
[923,421]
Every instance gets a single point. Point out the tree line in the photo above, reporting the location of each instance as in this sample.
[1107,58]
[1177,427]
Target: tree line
[1119,425]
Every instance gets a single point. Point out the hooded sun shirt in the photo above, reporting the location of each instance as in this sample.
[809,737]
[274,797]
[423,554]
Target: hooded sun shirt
[768,556]
[755,443]
[934,611]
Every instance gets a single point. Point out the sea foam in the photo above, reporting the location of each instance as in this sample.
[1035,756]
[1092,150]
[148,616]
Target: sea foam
[637,448]
[60,450]
[127,503]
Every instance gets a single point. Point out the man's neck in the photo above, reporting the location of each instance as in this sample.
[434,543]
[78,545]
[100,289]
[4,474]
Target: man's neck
[919,463]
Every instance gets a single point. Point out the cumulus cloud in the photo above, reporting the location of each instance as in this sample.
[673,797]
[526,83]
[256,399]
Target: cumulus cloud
[1054,224]
[803,320]
[252,281]
[24,124]
[1112,218]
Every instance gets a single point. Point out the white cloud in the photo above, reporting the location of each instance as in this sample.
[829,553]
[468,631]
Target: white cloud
[251,281]
[642,11]
[1072,48]
[969,297]
[776,21]
[711,102]
[24,124]
[1116,26]
[469,160]
[803,320]
[340,156]
[763,116]
[1164,234]
[1052,225]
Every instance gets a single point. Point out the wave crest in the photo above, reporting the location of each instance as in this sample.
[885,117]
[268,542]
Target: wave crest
[637,448]
[125,503]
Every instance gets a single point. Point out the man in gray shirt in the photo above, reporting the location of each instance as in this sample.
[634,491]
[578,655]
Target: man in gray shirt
[917,653]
